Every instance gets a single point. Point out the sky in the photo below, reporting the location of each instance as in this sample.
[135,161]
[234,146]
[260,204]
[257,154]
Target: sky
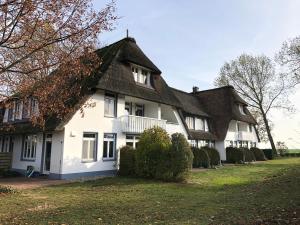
[190,40]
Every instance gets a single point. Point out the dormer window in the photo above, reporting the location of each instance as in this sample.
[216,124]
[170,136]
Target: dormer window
[242,109]
[141,75]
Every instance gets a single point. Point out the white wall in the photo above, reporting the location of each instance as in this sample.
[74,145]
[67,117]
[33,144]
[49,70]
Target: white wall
[176,128]
[244,135]
[19,164]
[92,121]
[220,146]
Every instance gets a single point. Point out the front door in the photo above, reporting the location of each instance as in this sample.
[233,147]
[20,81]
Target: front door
[47,158]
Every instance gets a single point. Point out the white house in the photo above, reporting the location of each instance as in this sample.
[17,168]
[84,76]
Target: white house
[128,96]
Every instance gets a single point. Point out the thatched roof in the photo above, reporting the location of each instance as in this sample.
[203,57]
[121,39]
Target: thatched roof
[221,104]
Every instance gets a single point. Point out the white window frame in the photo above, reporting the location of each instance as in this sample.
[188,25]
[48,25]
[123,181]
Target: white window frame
[29,148]
[199,124]
[141,75]
[190,122]
[85,138]
[109,138]
[108,98]
[134,139]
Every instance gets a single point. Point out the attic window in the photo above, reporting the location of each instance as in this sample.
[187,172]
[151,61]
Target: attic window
[242,109]
[141,75]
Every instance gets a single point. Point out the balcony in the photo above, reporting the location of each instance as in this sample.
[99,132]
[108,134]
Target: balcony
[244,135]
[137,124]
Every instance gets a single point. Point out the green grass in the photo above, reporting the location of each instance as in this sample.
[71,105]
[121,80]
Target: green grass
[293,150]
[228,195]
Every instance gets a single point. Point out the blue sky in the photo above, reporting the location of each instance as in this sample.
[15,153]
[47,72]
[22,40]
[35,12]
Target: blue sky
[190,40]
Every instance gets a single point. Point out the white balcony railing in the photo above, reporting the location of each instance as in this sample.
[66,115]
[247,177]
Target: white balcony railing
[137,124]
[244,135]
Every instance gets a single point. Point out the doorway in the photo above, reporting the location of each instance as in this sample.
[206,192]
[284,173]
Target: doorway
[47,156]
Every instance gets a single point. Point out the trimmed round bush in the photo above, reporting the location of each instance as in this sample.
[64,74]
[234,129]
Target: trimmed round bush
[214,156]
[181,157]
[127,161]
[201,158]
[249,155]
[234,155]
[259,154]
[153,154]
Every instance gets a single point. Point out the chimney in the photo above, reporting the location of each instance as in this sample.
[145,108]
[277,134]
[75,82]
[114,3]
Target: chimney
[195,89]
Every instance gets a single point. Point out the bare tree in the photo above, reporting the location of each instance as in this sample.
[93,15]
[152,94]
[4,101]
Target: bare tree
[39,36]
[255,79]
[289,56]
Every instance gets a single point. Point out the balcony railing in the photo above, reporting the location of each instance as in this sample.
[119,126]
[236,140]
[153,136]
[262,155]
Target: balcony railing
[137,124]
[244,135]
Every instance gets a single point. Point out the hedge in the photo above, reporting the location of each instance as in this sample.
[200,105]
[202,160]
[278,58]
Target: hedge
[248,154]
[269,153]
[201,158]
[151,153]
[127,161]
[235,155]
[159,157]
[214,156]
[259,154]
[181,157]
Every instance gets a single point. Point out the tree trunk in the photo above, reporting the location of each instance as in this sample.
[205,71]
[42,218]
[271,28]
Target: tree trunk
[270,137]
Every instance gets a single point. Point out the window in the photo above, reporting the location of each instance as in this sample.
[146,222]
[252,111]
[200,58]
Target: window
[141,76]
[34,108]
[199,124]
[89,147]
[11,143]
[193,143]
[29,147]
[190,122]
[212,144]
[128,108]
[206,128]
[6,143]
[18,110]
[250,128]
[139,110]
[110,105]
[238,127]
[132,140]
[109,146]
[10,114]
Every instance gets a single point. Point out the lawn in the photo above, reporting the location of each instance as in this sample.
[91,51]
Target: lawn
[229,195]
[293,150]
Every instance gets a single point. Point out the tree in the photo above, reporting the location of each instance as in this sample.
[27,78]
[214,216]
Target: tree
[255,79]
[289,55]
[43,37]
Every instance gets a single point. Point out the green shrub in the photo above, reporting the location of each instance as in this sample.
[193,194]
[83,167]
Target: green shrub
[153,153]
[127,161]
[201,158]
[235,155]
[181,158]
[249,155]
[269,153]
[214,156]
[259,154]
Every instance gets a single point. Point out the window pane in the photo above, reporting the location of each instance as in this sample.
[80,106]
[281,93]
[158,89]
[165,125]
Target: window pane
[105,149]
[85,149]
[92,150]
[111,149]
[89,135]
